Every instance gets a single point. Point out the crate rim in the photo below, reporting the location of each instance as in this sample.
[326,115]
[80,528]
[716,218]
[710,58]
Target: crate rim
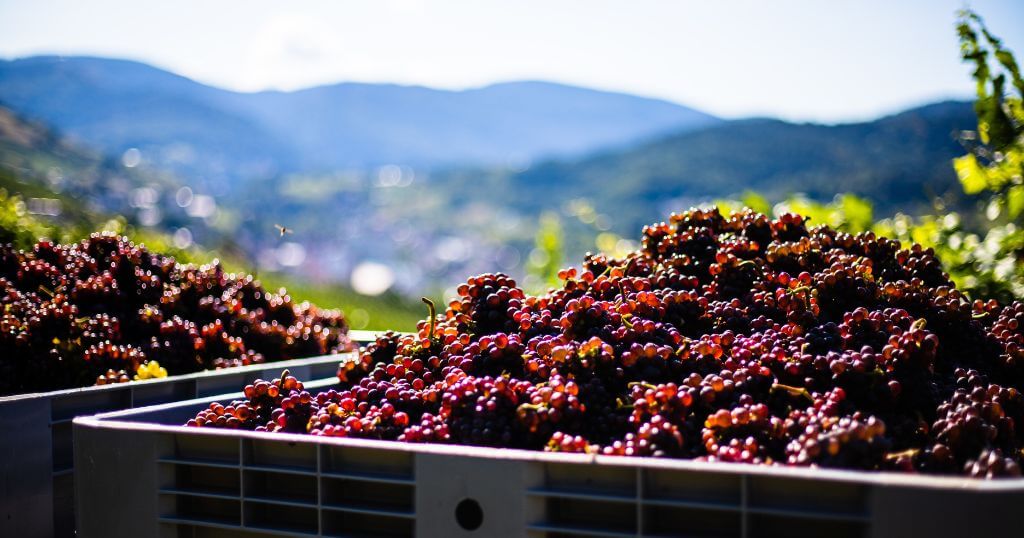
[356,337]
[113,420]
[181,377]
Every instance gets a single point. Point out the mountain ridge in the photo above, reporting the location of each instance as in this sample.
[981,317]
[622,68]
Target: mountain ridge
[901,162]
[209,131]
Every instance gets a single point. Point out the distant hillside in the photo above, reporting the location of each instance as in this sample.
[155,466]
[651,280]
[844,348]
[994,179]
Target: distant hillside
[82,186]
[179,123]
[900,162]
[43,162]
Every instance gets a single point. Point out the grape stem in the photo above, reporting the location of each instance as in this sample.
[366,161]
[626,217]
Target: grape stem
[432,311]
[795,391]
[751,263]
[910,453]
[532,406]
[625,319]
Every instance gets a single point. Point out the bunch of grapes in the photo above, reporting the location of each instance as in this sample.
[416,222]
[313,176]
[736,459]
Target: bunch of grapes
[734,338]
[280,405]
[106,310]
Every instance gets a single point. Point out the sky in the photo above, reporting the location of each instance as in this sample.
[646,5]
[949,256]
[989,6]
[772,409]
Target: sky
[799,60]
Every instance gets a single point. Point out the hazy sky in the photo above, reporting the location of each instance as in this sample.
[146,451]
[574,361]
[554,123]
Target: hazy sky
[806,60]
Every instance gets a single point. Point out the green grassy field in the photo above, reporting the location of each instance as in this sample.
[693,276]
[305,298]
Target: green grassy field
[383,312]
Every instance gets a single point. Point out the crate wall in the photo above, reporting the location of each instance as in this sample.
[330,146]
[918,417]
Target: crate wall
[193,482]
[36,452]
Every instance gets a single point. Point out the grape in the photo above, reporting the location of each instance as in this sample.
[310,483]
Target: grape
[745,434]
[484,304]
[95,312]
[991,463]
[739,339]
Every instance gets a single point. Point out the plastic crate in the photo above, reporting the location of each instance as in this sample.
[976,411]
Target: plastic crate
[36,456]
[139,473]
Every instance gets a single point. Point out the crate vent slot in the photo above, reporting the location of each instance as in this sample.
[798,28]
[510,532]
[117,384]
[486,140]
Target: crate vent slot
[587,500]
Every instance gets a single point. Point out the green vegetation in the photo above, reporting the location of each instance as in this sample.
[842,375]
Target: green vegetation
[16,225]
[383,312]
[21,228]
[984,258]
[847,212]
[546,258]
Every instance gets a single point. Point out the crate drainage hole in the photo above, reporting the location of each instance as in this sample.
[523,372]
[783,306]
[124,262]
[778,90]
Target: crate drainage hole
[469,515]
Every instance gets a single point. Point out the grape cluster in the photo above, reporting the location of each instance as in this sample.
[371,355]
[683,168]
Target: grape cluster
[723,338]
[106,310]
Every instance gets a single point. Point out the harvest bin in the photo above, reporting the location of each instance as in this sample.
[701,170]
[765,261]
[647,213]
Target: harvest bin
[36,480]
[139,473]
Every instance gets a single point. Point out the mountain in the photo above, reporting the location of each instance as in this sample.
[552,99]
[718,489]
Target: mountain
[900,162]
[188,126]
[114,105]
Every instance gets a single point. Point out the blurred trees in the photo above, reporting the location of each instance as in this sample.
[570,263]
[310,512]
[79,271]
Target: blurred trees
[983,253]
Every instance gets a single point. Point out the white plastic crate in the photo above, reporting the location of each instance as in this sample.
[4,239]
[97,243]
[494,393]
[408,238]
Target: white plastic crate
[36,456]
[139,473]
